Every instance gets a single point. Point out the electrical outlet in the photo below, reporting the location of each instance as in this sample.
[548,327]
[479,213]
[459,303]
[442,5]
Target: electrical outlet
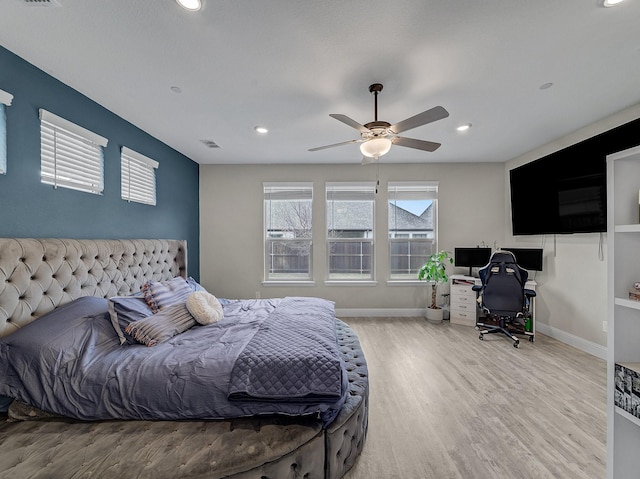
[604,326]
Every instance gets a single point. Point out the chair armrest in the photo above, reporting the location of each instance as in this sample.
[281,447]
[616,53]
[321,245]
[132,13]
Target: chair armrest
[529,293]
[476,287]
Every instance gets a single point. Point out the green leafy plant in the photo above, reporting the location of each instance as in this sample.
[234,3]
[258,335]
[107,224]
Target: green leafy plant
[434,271]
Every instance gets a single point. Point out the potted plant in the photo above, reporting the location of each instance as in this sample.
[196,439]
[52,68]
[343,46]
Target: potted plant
[434,271]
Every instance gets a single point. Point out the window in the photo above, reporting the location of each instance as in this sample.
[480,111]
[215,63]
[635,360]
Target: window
[138,177]
[287,225]
[71,156]
[412,226]
[5,101]
[350,232]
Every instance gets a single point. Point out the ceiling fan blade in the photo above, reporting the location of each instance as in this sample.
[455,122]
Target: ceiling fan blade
[434,114]
[335,144]
[348,121]
[417,144]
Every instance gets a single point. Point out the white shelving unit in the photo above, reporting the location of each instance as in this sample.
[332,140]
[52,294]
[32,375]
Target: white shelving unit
[623,342]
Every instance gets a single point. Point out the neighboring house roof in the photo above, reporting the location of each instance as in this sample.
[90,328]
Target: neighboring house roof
[350,216]
[403,220]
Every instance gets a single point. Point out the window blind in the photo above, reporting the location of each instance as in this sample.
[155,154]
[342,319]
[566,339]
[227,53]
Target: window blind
[71,156]
[5,101]
[408,190]
[351,191]
[6,98]
[138,177]
[288,191]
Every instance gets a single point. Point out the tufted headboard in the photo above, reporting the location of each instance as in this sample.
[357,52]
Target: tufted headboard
[38,275]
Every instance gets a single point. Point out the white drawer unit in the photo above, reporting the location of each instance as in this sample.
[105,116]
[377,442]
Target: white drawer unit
[463,300]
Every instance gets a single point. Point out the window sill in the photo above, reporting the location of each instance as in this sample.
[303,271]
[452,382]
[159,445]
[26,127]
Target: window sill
[288,283]
[335,282]
[406,282]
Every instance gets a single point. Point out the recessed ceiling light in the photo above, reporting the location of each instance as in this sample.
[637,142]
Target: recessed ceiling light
[464,127]
[610,3]
[546,86]
[176,89]
[261,129]
[191,5]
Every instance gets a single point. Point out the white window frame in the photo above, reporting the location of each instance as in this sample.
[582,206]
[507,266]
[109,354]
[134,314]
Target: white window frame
[70,156]
[411,190]
[295,191]
[350,191]
[5,101]
[137,177]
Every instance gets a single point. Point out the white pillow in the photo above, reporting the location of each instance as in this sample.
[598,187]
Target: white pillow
[204,307]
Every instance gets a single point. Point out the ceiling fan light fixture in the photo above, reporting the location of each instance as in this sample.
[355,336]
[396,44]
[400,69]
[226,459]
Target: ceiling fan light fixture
[191,5]
[375,147]
[610,3]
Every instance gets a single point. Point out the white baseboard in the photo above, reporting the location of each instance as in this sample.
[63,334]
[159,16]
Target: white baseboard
[572,340]
[381,312]
[567,338]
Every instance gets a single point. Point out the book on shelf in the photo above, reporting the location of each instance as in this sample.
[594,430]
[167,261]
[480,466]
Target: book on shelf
[627,387]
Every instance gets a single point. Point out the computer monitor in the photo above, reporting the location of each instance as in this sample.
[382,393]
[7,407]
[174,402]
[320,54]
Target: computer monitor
[471,257]
[527,258]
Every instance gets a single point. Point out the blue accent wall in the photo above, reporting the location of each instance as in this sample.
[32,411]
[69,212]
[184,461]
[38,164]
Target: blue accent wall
[30,209]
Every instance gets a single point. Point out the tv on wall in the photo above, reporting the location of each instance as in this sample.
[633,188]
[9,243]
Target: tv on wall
[566,191]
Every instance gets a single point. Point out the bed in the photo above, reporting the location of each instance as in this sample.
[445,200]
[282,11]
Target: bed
[263,426]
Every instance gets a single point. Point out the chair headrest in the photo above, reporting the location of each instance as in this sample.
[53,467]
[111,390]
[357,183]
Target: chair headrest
[502,257]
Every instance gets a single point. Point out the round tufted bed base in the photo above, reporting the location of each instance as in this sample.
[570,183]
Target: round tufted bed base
[243,448]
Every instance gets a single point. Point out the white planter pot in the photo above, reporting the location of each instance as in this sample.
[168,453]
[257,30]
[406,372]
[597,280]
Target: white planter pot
[434,315]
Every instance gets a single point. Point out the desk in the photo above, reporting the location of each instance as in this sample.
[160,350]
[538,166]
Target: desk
[464,307]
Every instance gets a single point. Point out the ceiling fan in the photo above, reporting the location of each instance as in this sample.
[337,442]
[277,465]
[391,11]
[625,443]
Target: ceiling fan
[376,137]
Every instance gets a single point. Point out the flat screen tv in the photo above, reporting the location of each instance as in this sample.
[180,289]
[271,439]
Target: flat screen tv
[566,191]
[528,258]
[471,257]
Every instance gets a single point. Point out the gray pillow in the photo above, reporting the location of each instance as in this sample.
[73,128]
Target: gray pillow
[124,310]
[195,286]
[162,326]
[161,294]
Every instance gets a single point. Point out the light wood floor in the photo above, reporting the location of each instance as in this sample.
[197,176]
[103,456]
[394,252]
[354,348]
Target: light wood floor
[444,404]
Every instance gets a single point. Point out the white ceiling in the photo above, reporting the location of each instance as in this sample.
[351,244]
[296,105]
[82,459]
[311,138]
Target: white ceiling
[288,64]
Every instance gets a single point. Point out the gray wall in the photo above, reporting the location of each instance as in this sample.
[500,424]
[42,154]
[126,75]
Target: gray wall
[471,210]
[474,207]
[32,209]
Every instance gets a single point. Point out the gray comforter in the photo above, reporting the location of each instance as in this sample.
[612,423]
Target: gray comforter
[293,356]
[70,362]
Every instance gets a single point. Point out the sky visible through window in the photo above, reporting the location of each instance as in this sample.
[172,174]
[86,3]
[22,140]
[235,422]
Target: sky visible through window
[417,207]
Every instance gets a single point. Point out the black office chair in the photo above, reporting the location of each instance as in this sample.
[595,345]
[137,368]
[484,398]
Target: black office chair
[503,297]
